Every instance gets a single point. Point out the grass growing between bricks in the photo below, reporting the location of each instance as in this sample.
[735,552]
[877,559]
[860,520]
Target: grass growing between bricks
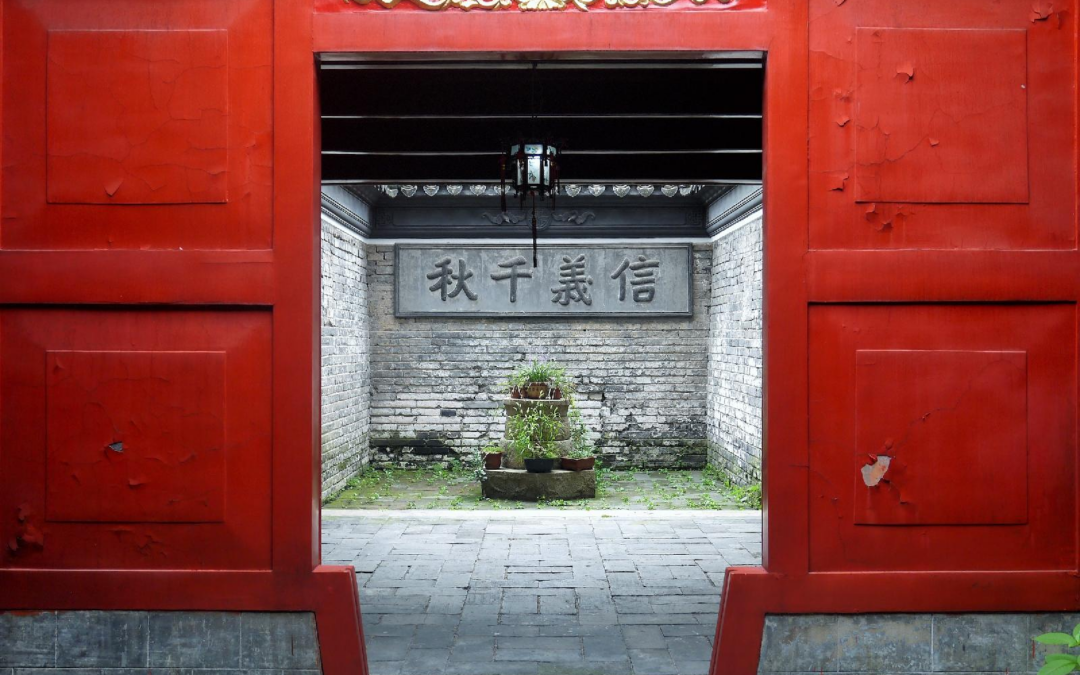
[454,487]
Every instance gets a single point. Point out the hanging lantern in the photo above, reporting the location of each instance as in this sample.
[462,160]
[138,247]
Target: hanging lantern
[533,169]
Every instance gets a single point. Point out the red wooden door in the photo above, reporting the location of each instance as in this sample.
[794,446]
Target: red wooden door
[921,357]
[159,313]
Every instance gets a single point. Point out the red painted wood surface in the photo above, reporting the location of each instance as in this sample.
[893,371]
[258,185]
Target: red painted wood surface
[920,237]
[159,313]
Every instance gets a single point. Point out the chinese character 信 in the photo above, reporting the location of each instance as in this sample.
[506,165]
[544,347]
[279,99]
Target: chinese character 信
[445,274]
[644,281]
[573,283]
[513,274]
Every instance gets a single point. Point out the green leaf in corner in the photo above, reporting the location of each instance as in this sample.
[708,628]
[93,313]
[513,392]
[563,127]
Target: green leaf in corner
[1076,633]
[1058,666]
[1056,639]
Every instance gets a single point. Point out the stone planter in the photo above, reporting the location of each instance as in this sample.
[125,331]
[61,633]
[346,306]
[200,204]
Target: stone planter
[530,487]
[536,390]
[559,408]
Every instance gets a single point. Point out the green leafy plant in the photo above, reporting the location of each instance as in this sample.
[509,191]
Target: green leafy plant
[475,462]
[540,372]
[748,495]
[581,447]
[1060,664]
[532,434]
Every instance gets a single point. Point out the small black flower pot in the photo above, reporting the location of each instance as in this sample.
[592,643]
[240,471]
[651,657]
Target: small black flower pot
[539,465]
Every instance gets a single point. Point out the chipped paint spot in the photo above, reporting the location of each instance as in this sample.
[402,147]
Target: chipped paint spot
[33,536]
[905,72]
[842,120]
[837,182]
[116,447]
[872,474]
[1041,11]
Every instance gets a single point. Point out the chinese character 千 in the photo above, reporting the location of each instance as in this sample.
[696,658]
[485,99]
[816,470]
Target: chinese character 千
[445,274]
[513,274]
[573,284]
[644,281]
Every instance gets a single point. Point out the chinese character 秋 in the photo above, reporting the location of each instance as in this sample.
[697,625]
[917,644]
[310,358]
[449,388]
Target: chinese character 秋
[644,281]
[573,284]
[445,275]
[512,273]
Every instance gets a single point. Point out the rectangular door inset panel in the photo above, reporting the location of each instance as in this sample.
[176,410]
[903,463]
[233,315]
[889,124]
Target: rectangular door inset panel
[137,117]
[941,437]
[928,130]
[135,439]
[135,436]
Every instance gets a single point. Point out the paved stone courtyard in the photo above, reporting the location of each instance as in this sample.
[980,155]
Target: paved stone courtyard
[555,592]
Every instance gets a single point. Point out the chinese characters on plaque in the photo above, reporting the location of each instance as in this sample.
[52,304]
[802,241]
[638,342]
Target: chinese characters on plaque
[578,280]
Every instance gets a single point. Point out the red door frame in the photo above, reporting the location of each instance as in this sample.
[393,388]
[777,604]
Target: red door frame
[781,31]
[797,277]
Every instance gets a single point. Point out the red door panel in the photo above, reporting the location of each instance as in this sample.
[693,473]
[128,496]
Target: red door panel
[942,437]
[135,439]
[940,125]
[162,108]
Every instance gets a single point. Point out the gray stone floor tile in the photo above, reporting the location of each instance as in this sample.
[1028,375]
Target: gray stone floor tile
[644,637]
[652,662]
[386,648]
[420,660]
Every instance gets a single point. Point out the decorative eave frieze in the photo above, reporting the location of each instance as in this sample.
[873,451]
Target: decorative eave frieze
[346,209]
[570,190]
[732,206]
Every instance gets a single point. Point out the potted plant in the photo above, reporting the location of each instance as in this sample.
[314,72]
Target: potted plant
[540,458]
[538,380]
[579,460]
[492,457]
[531,436]
[582,455]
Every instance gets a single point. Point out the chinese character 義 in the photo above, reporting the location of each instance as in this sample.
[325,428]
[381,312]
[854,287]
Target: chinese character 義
[513,274]
[644,281]
[445,274]
[573,283]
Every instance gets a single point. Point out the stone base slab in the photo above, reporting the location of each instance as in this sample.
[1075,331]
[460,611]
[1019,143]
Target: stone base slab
[530,487]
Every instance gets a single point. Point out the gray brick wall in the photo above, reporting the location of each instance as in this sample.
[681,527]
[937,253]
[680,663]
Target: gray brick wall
[642,382]
[908,643]
[346,382]
[134,643]
[735,366]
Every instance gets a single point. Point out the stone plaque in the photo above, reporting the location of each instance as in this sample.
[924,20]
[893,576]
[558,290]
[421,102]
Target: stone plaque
[569,280]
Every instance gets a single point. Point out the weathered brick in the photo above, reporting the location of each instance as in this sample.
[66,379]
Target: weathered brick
[279,640]
[101,639]
[194,640]
[28,640]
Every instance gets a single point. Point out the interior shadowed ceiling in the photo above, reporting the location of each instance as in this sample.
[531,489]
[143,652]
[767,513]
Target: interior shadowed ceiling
[665,122]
